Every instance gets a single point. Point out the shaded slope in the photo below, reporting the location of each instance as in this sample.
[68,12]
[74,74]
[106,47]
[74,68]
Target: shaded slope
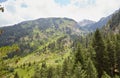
[113,26]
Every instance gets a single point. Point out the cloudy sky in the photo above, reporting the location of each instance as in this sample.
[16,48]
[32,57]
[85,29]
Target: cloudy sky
[22,10]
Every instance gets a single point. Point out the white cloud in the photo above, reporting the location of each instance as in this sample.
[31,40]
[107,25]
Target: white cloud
[14,12]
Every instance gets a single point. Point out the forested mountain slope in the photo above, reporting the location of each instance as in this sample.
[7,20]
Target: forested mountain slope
[47,40]
[29,35]
[43,28]
[113,26]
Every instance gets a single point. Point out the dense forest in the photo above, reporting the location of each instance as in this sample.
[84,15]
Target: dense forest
[58,48]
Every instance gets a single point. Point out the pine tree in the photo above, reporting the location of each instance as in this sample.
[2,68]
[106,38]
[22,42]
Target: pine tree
[78,55]
[111,57]
[99,48]
[118,52]
[105,75]
[91,70]
[66,68]
[79,72]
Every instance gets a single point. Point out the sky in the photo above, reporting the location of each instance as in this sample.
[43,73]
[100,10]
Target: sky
[22,10]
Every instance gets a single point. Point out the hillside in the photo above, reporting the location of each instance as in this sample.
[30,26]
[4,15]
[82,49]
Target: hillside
[113,26]
[36,41]
[32,34]
[43,26]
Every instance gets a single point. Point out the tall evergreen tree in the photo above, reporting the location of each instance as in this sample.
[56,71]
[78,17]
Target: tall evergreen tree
[99,48]
[79,72]
[91,70]
[78,55]
[66,68]
[111,57]
[118,52]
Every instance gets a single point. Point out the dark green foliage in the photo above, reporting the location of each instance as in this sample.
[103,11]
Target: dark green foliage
[29,64]
[50,72]
[42,72]
[16,75]
[111,56]
[99,47]
[91,70]
[118,52]
[79,72]
[67,68]
[78,55]
[115,21]
[64,69]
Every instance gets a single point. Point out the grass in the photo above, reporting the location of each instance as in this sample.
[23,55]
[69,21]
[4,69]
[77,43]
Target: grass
[26,72]
[51,59]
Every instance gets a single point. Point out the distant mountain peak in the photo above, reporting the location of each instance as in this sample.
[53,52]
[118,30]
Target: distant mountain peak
[86,22]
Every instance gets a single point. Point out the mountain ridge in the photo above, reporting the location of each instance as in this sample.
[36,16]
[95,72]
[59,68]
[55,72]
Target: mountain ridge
[99,24]
[31,34]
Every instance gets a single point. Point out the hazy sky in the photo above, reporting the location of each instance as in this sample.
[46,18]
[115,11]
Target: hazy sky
[21,10]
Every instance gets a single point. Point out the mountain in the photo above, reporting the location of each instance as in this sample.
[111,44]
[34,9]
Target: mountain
[92,26]
[29,35]
[113,26]
[86,22]
[102,22]
[33,42]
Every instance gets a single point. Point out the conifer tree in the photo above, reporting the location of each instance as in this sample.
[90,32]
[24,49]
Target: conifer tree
[78,55]
[91,70]
[118,52]
[66,68]
[111,57]
[79,72]
[105,75]
[99,48]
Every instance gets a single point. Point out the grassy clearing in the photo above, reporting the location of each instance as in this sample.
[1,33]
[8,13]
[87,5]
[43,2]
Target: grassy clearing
[26,72]
[51,59]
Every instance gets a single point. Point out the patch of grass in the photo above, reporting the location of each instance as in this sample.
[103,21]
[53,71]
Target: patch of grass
[25,72]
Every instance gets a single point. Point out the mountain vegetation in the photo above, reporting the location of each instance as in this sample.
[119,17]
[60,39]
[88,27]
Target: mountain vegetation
[59,48]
